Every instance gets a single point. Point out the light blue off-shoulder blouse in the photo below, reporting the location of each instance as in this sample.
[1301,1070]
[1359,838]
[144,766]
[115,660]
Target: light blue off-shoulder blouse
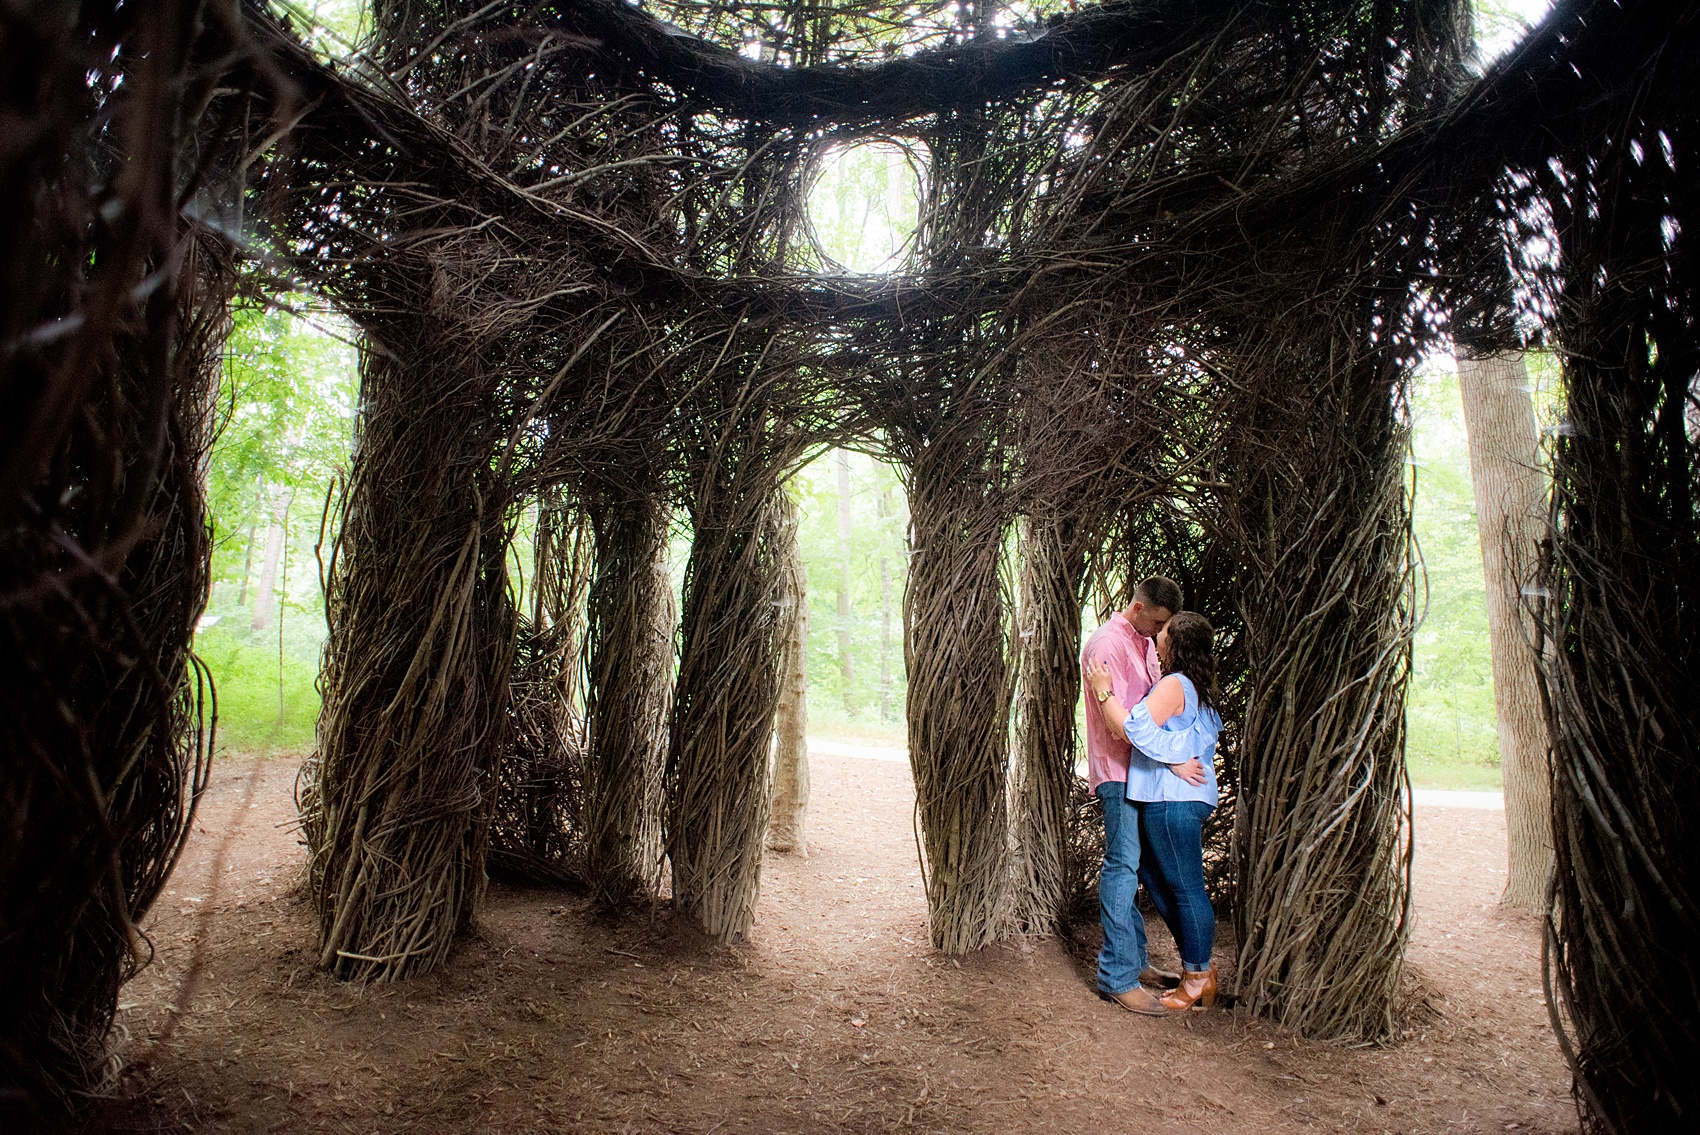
[1190,733]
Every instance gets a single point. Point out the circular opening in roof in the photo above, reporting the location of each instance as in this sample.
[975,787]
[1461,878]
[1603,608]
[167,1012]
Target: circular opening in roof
[864,206]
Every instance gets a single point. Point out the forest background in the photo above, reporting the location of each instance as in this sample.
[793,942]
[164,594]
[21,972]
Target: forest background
[287,408]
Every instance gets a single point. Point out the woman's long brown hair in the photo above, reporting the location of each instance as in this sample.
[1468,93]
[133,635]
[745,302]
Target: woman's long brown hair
[1192,651]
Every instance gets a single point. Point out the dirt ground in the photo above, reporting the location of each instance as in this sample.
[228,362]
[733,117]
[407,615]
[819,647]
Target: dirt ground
[835,1017]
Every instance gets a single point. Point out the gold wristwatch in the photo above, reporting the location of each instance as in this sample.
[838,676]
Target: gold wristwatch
[1103,696]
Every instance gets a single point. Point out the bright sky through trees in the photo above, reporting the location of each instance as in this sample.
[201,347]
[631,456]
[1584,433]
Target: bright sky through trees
[1501,23]
[864,206]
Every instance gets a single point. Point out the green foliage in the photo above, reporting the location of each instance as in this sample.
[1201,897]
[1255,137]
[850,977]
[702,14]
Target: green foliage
[1500,24]
[333,27]
[1453,739]
[287,395]
[865,204]
[288,399]
[252,717]
[854,711]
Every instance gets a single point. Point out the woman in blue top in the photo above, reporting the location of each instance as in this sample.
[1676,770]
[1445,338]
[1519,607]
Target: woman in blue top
[1172,779]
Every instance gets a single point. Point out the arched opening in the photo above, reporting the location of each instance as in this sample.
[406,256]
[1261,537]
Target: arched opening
[863,205]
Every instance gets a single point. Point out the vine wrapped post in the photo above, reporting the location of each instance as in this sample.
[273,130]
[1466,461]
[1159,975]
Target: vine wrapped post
[1321,519]
[1622,660]
[1053,569]
[733,636]
[629,698]
[956,630]
[397,802]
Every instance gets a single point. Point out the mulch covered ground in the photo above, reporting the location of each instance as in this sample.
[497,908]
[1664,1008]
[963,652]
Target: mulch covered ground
[836,1017]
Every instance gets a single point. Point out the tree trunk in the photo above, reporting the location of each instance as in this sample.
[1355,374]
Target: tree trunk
[264,597]
[248,559]
[1510,490]
[885,615]
[787,829]
[844,663]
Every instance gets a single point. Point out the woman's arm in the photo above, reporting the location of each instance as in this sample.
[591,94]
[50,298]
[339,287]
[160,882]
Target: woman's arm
[1166,699]
[1140,728]
[1177,750]
[1098,678]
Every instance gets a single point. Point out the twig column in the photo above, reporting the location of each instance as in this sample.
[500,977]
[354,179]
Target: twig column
[113,309]
[1623,659]
[956,629]
[1321,520]
[732,638]
[415,678]
[630,695]
[1053,568]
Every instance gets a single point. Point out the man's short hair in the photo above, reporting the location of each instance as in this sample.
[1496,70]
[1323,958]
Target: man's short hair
[1159,591]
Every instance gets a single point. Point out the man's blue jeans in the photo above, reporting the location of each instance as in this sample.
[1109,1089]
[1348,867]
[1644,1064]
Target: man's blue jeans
[1123,953]
[1173,842]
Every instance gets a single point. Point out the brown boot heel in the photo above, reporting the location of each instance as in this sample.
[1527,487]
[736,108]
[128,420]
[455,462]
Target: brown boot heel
[1196,991]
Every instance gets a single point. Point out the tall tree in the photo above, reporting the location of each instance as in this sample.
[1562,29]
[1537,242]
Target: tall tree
[281,496]
[786,829]
[886,713]
[1510,491]
[844,530]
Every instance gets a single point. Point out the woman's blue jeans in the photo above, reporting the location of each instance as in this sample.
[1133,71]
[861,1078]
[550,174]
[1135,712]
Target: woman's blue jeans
[1171,833]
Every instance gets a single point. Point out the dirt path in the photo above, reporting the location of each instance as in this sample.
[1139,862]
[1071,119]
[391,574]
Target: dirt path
[836,1017]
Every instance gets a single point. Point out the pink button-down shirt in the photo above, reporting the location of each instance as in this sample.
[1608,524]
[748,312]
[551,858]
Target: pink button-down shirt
[1134,669]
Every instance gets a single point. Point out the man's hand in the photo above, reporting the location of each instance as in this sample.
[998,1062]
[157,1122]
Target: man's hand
[1190,771]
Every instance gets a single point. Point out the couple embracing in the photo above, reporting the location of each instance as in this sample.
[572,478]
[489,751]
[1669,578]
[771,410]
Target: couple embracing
[1151,728]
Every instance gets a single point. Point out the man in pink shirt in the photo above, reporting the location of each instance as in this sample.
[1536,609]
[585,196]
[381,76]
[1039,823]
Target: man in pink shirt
[1126,644]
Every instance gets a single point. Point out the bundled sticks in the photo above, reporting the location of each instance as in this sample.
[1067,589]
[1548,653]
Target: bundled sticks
[1616,194]
[118,268]
[416,673]
[1175,264]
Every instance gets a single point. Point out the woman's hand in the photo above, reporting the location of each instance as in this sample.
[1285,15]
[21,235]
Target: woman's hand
[1190,771]
[1098,676]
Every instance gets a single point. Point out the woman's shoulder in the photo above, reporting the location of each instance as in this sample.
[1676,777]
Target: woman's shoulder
[1182,688]
[1167,698]
[1170,687]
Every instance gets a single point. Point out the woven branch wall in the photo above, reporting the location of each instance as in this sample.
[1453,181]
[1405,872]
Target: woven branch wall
[1174,266]
[116,275]
[1620,599]
[1068,351]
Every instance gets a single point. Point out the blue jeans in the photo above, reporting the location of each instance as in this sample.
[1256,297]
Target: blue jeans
[1123,952]
[1173,872]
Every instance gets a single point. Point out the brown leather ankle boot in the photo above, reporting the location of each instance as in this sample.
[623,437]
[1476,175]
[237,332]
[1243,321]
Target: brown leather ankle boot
[1196,991]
